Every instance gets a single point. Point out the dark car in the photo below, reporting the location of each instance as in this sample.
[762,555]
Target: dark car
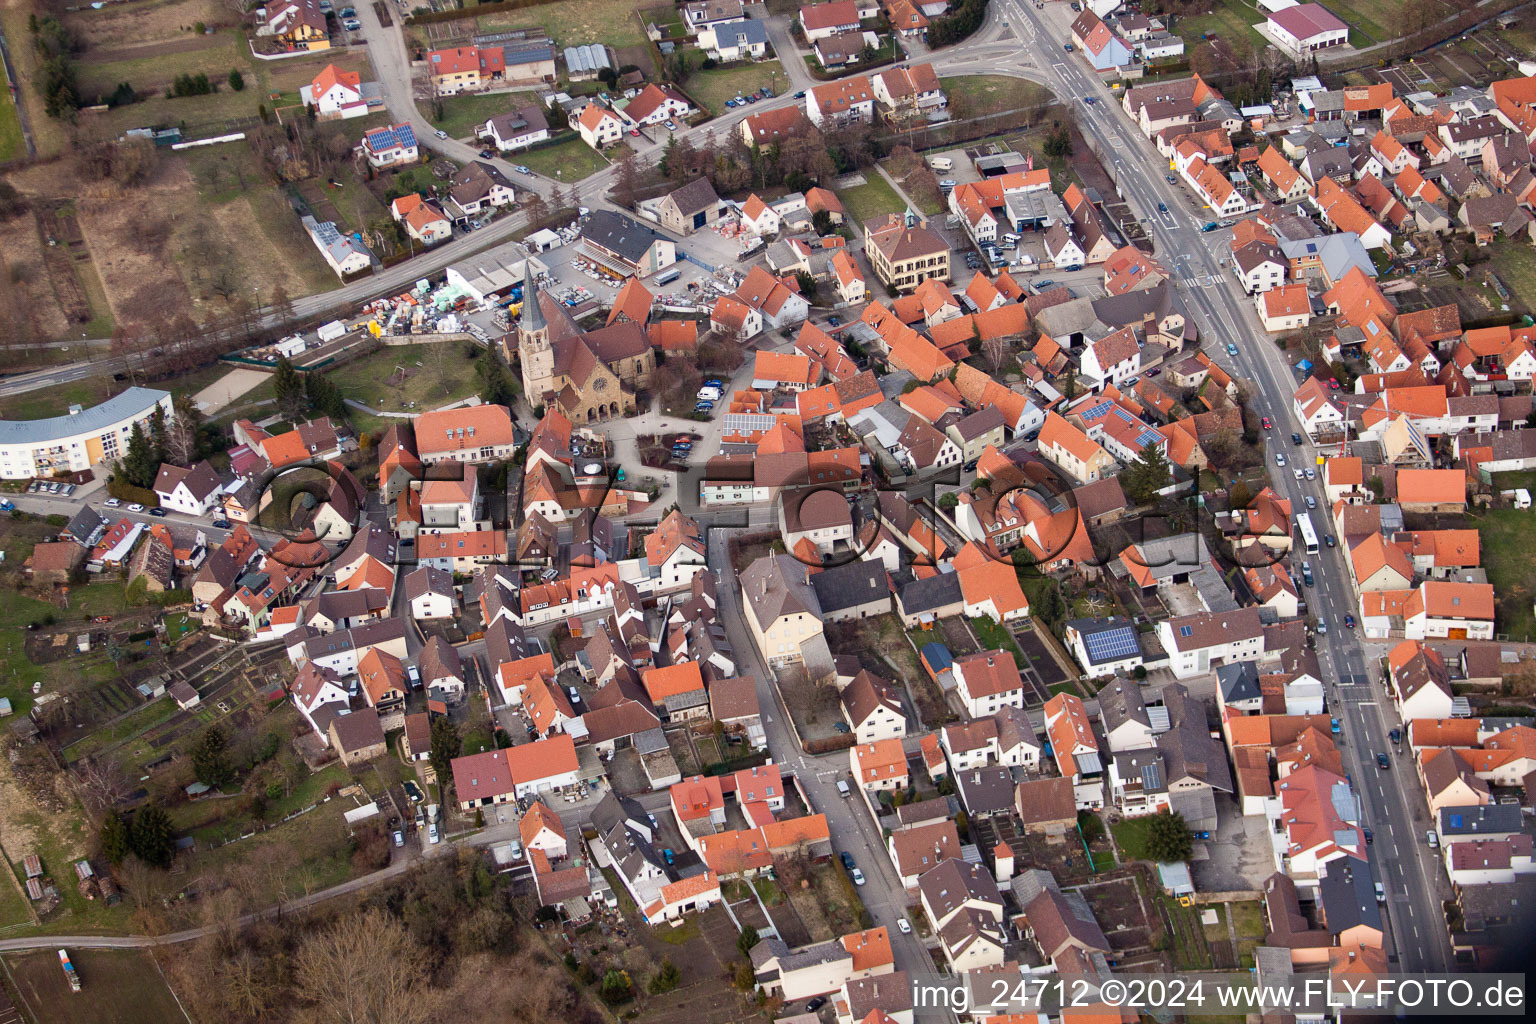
[221,524]
[1382,761]
[1162,207]
[847,859]
[1330,541]
[486,154]
[1349,622]
[158,512]
[815,1004]
[1370,837]
[1296,439]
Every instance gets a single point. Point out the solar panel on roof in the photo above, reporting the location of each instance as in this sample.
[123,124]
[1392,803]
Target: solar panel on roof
[1112,644]
[1186,631]
[1151,778]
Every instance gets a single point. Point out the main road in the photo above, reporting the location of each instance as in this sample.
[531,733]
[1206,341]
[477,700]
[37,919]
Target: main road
[1402,861]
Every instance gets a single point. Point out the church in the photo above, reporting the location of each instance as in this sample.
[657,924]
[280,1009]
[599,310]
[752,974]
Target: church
[586,375]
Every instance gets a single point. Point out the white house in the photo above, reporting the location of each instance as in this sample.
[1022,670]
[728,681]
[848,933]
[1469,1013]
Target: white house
[657,104]
[988,681]
[1112,359]
[746,39]
[391,145]
[1286,308]
[319,695]
[599,127]
[1197,643]
[846,99]
[760,218]
[335,93]
[193,491]
[422,220]
[821,20]
[519,129]
[429,593]
[1317,410]
[345,255]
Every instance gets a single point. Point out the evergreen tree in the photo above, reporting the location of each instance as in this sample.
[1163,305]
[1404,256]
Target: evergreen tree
[210,758]
[746,940]
[156,439]
[1168,838]
[113,838]
[1146,476]
[496,384]
[445,747]
[138,465]
[152,837]
[288,384]
[236,80]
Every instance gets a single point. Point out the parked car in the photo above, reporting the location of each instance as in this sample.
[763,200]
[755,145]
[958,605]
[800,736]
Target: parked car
[433,836]
[158,513]
[904,926]
[800,95]
[1296,440]
[102,618]
[858,876]
[1322,627]
[815,1004]
[113,502]
[399,838]
[1370,837]
[847,859]
[635,132]
[1154,371]
[135,507]
[487,154]
[671,126]
[1381,893]
[352,25]
[1349,622]
[520,169]
[440,134]
[1170,179]
[221,524]
[1432,839]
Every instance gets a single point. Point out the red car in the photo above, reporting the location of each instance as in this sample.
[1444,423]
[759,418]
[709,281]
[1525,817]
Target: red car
[1333,384]
[1267,425]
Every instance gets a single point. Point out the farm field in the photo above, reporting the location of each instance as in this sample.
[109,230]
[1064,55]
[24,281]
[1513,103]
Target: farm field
[118,987]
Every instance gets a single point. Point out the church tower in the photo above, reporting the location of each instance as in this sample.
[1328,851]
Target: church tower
[533,347]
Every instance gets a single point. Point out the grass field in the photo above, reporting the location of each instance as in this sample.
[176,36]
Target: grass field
[872,199]
[570,160]
[1228,19]
[119,987]
[574,22]
[979,95]
[712,88]
[13,906]
[12,144]
[1510,558]
[462,114]
[435,375]
[1131,836]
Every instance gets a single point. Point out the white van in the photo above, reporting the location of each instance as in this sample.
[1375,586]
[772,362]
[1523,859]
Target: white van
[842,788]
[942,163]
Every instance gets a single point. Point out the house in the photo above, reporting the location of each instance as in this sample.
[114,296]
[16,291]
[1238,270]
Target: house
[1285,308]
[622,247]
[842,48]
[441,670]
[965,908]
[1303,29]
[478,188]
[909,91]
[391,146]
[357,737]
[1197,643]
[319,695]
[344,254]
[1076,749]
[1449,610]
[599,127]
[1100,46]
[194,491]
[782,610]
[915,851]
[733,703]
[520,129]
[705,13]
[1069,448]
[1058,922]
[988,681]
[904,257]
[429,593]
[657,104]
[818,21]
[501,776]
[847,99]
[743,39]
[769,126]
[691,207]
[53,563]
[1287,182]
[1420,681]
[879,765]
[300,23]
[1047,807]
[1105,646]
[473,435]
[541,829]
[422,220]
[850,286]
[335,94]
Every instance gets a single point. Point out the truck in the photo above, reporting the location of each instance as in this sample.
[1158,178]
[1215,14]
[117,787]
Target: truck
[69,970]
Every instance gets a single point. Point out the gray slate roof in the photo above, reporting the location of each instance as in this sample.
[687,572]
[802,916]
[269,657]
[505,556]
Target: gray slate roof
[131,403]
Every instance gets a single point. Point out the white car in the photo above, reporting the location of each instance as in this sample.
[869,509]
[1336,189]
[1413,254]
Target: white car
[135,507]
[113,502]
[1300,475]
[904,925]
[858,876]
[1279,458]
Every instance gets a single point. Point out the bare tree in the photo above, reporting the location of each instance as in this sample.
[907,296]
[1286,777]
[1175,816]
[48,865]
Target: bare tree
[102,784]
[995,349]
[365,969]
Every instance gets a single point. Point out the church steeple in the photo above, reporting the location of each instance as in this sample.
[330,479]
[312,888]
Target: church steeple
[532,320]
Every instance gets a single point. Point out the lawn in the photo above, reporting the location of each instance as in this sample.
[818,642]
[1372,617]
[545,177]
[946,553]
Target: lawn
[1516,267]
[874,198]
[570,160]
[435,375]
[13,906]
[994,636]
[56,400]
[12,144]
[17,671]
[1131,836]
[463,114]
[979,95]
[574,22]
[1228,18]
[120,987]
[712,88]
[50,136]
[1510,559]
